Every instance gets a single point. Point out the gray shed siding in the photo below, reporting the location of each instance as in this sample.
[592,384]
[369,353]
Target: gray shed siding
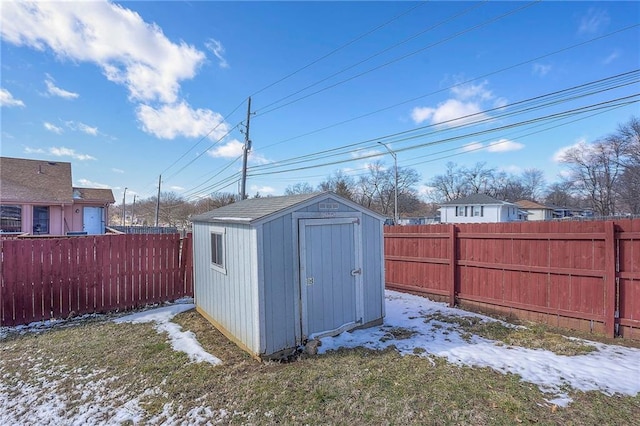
[279,270]
[258,300]
[231,298]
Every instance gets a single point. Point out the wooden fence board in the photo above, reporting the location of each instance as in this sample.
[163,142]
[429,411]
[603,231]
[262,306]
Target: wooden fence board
[560,272]
[58,277]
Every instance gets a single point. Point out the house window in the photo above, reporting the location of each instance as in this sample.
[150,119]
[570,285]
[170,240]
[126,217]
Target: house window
[10,218]
[40,220]
[478,211]
[218,250]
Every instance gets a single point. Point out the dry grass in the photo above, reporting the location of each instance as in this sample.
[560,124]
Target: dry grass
[343,387]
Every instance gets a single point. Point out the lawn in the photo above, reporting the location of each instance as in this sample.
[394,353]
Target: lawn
[97,371]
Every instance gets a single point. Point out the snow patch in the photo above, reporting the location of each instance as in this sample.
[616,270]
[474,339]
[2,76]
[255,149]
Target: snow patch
[183,341]
[610,369]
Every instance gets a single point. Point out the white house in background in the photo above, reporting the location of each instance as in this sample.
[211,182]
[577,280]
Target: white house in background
[479,208]
[536,211]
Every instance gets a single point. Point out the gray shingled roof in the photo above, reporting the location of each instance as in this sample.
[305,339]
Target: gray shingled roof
[35,181]
[254,208]
[474,199]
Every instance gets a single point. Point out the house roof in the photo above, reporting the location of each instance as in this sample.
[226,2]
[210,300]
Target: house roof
[476,199]
[255,209]
[35,181]
[527,204]
[93,195]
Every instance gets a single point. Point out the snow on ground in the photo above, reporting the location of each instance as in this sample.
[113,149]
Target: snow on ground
[610,369]
[184,341]
[44,397]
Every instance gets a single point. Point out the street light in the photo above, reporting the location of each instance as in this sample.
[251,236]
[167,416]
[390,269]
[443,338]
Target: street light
[124,199]
[395,188]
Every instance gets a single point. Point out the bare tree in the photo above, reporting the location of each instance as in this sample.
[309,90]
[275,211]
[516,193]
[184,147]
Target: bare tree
[449,186]
[340,183]
[299,188]
[596,169]
[533,182]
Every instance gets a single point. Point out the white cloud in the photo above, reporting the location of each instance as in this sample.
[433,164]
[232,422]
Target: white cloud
[513,169]
[218,50]
[79,126]
[233,149]
[90,184]
[59,152]
[594,21]
[114,170]
[477,92]
[53,90]
[473,146]
[171,121]
[53,128]
[504,145]
[451,109]
[362,153]
[176,188]
[88,129]
[468,99]
[541,69]
[28,150]
[612,57]
[560,154]
[425,191]
[68,152]
[262,189]
[7,99]
[129,50]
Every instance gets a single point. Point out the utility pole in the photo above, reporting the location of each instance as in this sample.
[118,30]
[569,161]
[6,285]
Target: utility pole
[395,187]
[133,209]
[158,200]
[124,205]
[246,149]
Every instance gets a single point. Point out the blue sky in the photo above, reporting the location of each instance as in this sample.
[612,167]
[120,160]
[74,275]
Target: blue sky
[128,91]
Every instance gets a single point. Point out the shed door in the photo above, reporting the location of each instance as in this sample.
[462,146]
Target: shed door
[92,220]
[330,276]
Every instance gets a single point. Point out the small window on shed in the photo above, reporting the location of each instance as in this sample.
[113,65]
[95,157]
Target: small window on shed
[218,250]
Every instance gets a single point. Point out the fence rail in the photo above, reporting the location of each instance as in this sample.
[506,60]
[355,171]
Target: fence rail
[60,277]
[581,275]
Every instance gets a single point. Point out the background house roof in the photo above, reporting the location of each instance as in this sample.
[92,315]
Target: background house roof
[476,199]
[93,195]
[527,204]
[35,181]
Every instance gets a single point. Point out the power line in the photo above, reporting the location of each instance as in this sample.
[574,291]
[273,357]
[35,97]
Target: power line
[537,102]
[473,28]
[347,44]
[471,80]
[626,100]
[378,53]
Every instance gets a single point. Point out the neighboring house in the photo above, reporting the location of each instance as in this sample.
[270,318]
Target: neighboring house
[37,197]
[274,273]
[479,208]
[535,211]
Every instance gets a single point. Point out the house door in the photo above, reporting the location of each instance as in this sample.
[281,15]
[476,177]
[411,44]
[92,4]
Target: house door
[92,220]
[330,276]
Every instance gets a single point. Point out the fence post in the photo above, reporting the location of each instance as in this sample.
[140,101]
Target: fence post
[610,279]
[453,284]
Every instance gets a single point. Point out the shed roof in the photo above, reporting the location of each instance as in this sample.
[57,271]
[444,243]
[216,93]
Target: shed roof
[476,199]
[35,181]
[254,209]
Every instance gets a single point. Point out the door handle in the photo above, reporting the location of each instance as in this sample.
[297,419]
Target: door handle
[355,272]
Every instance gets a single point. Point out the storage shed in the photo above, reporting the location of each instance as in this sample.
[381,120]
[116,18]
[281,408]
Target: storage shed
[273,273]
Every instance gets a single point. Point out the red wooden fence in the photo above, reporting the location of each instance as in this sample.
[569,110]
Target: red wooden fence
[45,278]
[581,275]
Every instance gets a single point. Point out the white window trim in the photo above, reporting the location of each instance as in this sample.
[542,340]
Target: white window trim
[219,231]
